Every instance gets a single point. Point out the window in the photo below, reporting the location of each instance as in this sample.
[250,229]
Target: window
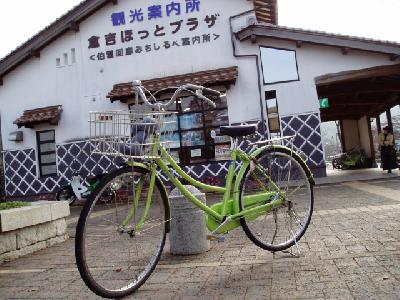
[279,65]
[66,59]
[47,152]
[196,136]
[271,105]
[73,55]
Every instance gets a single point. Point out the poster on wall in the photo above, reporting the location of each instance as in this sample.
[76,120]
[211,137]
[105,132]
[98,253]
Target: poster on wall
[171,141]
[175,156]
[170,123]
[222,152]
[193,138]
[191,121]
[195,153]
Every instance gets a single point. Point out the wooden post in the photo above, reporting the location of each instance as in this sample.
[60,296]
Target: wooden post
[35,53]
[378,124]
[389,118]
[343,142]
[371,144]
[345,50]
[74,26]
[390,123]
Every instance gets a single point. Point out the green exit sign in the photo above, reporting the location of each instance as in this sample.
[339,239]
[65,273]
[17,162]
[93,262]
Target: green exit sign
[324,103]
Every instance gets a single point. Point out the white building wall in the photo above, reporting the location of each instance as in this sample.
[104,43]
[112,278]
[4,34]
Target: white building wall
[83,86]
[299,97]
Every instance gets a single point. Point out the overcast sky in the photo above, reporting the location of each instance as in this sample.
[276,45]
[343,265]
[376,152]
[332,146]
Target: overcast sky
[379,19]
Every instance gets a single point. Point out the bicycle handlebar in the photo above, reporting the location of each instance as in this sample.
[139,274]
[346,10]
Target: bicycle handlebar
[198,90]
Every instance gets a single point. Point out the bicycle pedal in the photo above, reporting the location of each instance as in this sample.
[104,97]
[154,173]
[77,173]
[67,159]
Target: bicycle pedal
[216,238]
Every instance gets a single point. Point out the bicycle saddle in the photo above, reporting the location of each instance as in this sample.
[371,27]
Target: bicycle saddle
[238,131]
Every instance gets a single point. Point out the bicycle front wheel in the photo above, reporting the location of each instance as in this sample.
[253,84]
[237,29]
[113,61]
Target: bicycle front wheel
[119,243]
[278,172]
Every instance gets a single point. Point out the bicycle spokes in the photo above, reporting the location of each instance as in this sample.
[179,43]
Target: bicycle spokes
[284,226]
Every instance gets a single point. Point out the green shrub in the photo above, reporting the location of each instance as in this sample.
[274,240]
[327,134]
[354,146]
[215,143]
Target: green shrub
[10,205]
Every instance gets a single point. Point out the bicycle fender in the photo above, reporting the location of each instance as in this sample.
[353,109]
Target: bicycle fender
[163,190]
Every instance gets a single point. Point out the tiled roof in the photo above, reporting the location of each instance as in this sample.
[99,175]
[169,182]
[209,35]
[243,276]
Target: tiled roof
[318,37]
[50,114]
[205,78]
[266,11]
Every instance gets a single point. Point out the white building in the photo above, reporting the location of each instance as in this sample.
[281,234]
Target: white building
[271,74]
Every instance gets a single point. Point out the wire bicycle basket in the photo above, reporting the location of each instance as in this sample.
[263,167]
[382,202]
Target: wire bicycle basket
[131,134]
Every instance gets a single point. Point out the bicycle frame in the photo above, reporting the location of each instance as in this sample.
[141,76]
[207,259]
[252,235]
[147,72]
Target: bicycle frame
[258,204]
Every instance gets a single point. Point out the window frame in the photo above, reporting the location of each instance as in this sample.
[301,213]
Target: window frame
[203,129]
[207,144]
[284,81]
[40,153]
[267,113]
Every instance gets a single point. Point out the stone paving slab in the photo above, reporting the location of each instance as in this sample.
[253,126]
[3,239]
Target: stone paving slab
[392,184]
[351,251]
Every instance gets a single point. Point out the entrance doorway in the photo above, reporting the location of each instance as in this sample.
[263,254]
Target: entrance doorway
[361,103]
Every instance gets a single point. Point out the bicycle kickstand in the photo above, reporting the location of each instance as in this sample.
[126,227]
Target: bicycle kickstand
[293,253]
[215,235]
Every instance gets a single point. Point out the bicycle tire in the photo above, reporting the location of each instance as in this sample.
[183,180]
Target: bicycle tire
[98,274]
[291,238]
[66,194]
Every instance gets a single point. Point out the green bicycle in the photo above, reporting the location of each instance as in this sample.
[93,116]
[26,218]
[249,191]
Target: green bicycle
[269,193]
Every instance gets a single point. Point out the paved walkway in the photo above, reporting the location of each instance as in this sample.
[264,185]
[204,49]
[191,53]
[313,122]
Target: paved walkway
[338,176]
[351,251]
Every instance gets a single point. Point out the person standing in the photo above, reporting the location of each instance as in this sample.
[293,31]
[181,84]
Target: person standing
[388,152]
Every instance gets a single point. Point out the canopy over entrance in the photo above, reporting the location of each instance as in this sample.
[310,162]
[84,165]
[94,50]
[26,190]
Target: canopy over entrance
[354,94]
[30,118]
[224,76]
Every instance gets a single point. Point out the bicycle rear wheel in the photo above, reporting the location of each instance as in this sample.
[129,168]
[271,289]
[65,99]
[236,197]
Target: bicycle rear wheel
[279,171]
[116,257]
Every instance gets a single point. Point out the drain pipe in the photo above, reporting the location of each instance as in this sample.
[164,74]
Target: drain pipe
[257,60]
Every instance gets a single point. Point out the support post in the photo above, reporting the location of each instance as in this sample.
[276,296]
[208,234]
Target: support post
[389,118]
[345,50]
[371,144]
[35,53]
[74,26]
[378,124]
[343,142]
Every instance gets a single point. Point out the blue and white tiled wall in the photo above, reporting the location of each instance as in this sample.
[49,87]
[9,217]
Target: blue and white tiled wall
[21,174]
[308,140]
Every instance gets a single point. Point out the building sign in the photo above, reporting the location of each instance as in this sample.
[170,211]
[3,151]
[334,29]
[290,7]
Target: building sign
[133,34]
[324,103]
